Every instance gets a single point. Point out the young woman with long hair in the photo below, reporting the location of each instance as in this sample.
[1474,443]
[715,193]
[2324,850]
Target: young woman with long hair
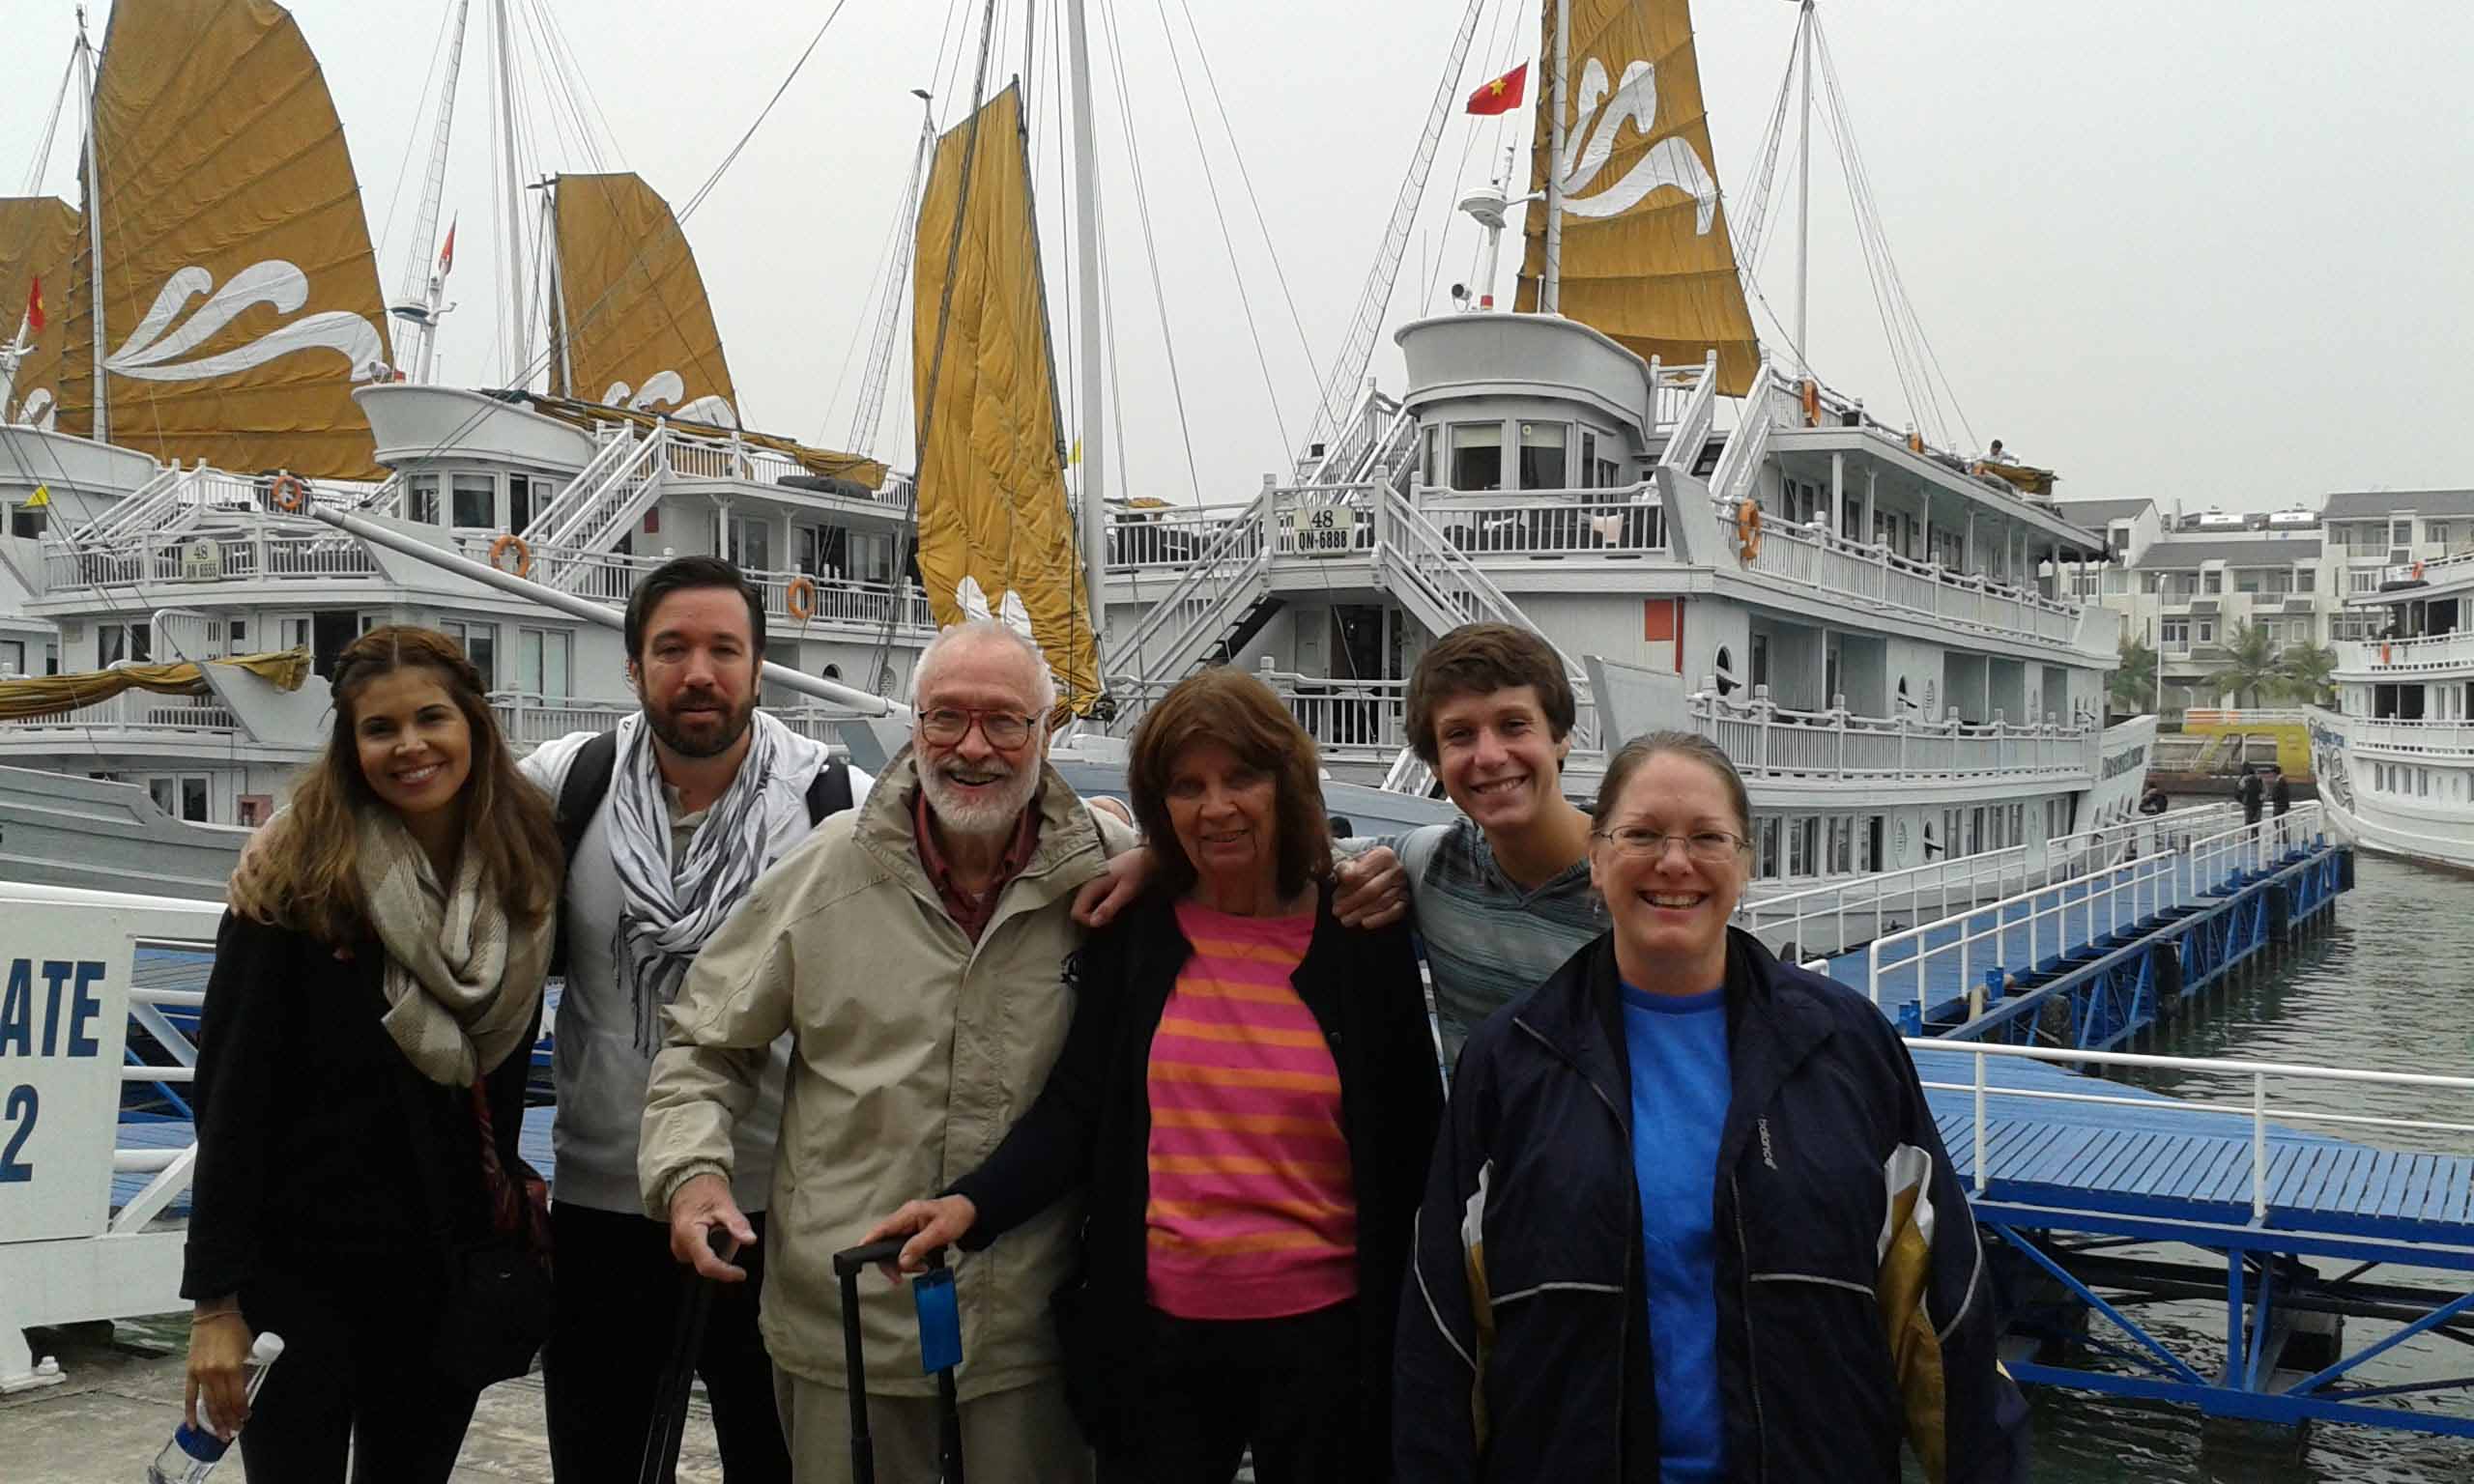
[376,992]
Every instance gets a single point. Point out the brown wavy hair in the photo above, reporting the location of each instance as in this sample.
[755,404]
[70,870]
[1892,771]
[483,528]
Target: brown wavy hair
[301,870]
[1227,705]
[1479,659]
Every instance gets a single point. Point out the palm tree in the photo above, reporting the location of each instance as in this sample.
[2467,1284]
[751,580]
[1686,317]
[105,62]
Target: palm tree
[2133,690]
[2306,670]
[2252,665]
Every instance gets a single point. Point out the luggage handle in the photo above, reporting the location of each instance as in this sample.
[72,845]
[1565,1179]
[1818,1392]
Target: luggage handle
[933,1294]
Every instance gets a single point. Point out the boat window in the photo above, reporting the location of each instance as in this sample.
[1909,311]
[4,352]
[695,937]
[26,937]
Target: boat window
[1589,460]
[194,798]
[27,523]
[477,500]
[118,642]
[480,642]
[1477,456]
[544,663]
[1768,832]
[421,498]
[1430,468]
[2400,533]
[523,499]
[1542,453]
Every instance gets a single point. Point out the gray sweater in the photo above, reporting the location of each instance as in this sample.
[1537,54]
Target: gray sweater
[601,1075]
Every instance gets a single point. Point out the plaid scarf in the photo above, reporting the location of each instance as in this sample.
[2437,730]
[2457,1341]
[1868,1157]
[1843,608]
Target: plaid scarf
[461,979]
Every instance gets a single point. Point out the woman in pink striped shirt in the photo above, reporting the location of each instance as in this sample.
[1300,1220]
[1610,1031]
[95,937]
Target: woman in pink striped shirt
[1249,1097]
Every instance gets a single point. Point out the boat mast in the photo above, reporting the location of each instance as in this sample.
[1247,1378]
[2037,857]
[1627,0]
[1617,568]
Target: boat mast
[1086,239]
[424,287]
[556,289]
[520,340]
[102,428]
[1804,190]
[1551,284]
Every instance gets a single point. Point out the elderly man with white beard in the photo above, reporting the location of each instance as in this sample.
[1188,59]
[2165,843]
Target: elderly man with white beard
[914,949]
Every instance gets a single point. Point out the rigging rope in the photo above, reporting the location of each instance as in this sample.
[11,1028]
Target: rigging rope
[1150,246]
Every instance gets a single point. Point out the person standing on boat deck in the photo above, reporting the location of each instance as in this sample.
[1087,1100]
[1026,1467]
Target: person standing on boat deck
[2152,799]
[912,951]
[2249,790]
[1689,1219]
[376,992]
[667,823]
[1250,1097]
[2280,792]
[1502,894]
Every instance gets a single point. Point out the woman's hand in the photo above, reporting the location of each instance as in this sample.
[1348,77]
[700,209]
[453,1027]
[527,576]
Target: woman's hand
[939,1223]
[218,1370]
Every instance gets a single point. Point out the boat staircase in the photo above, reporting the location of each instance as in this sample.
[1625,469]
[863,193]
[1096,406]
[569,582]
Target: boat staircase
[601,506]
[1738,474]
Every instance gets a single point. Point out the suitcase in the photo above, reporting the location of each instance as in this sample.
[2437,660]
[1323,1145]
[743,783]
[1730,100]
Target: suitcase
[941,1349]
[660,1464]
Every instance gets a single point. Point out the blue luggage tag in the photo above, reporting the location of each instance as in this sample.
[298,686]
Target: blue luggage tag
[940,1321]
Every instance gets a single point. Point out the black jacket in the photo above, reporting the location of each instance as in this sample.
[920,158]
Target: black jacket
[311,1155]
[1550,1379]
[1092,1123]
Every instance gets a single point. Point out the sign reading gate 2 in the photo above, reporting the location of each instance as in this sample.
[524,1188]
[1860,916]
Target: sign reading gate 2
[62,1023]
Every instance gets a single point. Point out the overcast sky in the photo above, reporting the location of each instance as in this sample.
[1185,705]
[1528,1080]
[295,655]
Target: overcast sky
[2217,254]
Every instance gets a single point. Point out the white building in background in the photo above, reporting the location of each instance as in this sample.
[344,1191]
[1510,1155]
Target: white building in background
[2371,529]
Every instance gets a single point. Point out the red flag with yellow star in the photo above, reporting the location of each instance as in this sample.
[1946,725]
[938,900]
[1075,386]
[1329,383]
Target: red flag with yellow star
[33,306]
[1504,93]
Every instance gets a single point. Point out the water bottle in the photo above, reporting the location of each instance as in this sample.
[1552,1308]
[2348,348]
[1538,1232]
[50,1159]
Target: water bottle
[194,1451]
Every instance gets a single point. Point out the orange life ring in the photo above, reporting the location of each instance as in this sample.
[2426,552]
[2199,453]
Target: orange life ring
[510,541]
[289,494]
[1916,443]
[1747,531]
[801,597]
[1812,403]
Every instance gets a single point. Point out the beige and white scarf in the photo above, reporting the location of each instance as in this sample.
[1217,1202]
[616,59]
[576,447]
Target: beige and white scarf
[461,979]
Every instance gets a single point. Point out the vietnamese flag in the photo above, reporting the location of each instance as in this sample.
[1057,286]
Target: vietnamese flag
[34,307]
[1503,95]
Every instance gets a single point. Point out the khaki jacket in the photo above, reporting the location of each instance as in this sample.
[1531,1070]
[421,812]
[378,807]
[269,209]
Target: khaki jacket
[913,1053]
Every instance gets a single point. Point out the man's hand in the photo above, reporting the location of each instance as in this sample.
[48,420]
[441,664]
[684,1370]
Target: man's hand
[1107,895]
[697,1206]
[1373,890]
[939,1223]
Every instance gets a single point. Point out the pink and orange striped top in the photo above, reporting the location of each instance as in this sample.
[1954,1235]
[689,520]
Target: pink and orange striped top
[1253,1212]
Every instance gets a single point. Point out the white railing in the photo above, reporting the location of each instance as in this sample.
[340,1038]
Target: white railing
[136,509]
[2023,929]
[1228,574]
[1374,429]
[587,513]
[528,720]
[262,553]
[1168,540]
[1544,524]
[2453,741]
[616,447]
[1874,575]
[1834,916]
[2254,1112]
[728,458]
[1687,423]
[1672,387]
[1764,739]
[2432,654]
[610,577]
[130,711]
[1740,462]
[2252,716]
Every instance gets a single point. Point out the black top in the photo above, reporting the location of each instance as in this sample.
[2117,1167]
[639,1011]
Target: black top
[1540,1124]
[1092,1121]
[313,1127]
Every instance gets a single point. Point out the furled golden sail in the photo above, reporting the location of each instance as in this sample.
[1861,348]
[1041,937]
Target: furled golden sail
[239,301]
[48,694]
[37,235]
[636,329]
[1645,257]
[993,533]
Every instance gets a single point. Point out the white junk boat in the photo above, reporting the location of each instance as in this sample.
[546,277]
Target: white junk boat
[2395,758]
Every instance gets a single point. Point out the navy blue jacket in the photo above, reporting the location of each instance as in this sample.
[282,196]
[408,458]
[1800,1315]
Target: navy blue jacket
[1529,1357]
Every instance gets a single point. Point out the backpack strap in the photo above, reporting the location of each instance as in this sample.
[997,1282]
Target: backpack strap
[829,791]
[585,786]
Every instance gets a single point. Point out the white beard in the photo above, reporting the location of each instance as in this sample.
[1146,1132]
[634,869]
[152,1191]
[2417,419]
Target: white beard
[992,815]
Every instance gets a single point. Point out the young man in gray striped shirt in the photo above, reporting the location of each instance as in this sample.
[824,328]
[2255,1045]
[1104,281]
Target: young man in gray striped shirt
[1502,894]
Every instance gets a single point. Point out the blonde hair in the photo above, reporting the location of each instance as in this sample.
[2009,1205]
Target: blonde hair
[301,871]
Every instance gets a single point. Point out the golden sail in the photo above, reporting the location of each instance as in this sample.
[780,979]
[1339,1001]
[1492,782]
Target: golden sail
[239,301]
[993,533]
[38,234]
[1645,255]
[636,329]
[49,695]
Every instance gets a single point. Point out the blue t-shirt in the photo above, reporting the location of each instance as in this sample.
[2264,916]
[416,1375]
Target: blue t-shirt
[1680,1085]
